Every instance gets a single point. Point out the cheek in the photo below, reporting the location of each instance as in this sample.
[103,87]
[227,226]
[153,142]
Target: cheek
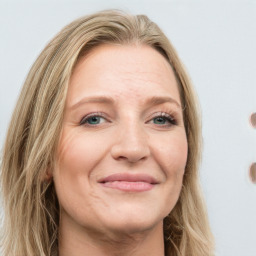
[76,158]
[171,153]
[78,152]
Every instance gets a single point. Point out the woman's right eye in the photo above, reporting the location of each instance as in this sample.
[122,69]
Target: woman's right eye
[92,120]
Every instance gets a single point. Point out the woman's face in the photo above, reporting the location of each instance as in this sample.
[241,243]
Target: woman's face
[123,147]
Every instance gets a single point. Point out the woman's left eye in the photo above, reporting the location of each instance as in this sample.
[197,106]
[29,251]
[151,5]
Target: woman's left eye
[93,120]
[163,119]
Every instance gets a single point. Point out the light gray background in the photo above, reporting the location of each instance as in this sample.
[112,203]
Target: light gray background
[217,42]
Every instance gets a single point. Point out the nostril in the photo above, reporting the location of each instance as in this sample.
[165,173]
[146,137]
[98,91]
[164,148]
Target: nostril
[130,152]
[122,157]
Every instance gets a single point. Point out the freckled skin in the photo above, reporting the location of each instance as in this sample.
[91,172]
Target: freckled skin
[126,141]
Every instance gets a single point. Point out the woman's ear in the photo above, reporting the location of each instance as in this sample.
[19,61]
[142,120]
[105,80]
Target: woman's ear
[48,175]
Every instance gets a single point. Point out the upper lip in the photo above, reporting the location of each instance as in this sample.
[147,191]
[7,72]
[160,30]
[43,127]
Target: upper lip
[129,178]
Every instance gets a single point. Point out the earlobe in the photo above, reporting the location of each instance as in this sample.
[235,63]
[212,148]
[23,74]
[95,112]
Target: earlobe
[48,175]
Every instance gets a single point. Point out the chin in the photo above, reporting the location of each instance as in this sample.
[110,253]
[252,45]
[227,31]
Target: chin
[133,220]
[131,227]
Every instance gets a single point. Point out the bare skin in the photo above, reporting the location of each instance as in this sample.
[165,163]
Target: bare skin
[122,153]
[117,245]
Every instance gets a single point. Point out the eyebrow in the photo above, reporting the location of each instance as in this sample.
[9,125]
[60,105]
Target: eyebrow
[95,99]
[155,100]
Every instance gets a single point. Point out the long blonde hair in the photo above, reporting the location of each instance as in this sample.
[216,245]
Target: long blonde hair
[30,203]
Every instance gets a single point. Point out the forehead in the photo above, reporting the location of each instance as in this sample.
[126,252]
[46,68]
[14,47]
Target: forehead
[121,70]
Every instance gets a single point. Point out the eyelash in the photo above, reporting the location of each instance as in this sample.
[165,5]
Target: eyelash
[87,117]
[169,118]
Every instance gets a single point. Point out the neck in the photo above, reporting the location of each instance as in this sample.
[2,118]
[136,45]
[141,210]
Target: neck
[83,242]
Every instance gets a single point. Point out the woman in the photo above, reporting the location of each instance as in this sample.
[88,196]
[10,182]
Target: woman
[102,153]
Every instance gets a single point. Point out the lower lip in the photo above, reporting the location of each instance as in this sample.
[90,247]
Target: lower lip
[129,186]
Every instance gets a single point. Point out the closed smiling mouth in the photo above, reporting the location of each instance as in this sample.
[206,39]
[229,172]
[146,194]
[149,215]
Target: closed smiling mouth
[129,182]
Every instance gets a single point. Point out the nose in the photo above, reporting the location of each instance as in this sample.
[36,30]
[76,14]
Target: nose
[131,144]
